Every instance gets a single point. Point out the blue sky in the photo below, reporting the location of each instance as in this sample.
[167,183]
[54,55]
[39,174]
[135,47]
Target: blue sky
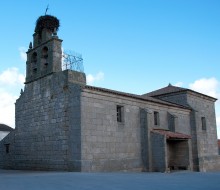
[127,45]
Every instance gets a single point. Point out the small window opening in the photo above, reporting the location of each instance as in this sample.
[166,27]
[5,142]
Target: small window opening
[203,123]
[156,118]
[34,57]
[172,122]
[45,56]
[119,113]
[7,148]
[34,62]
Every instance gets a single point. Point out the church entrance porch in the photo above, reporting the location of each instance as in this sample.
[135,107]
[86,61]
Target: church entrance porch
[170,151]
[178,154]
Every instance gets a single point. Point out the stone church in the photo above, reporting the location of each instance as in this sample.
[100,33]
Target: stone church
[64,124]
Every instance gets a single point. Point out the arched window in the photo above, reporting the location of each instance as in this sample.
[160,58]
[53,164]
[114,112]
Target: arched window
[34,62]
[34,57]
[44,58]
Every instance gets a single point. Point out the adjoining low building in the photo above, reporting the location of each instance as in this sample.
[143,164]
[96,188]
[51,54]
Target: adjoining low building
[64,124]
[4,130]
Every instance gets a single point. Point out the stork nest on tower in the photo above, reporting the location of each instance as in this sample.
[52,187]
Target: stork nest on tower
[47,21]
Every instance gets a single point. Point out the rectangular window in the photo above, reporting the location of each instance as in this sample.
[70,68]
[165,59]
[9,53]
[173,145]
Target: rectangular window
[203,123]
[120,113]
[172,122]
[156,118]
[7,148]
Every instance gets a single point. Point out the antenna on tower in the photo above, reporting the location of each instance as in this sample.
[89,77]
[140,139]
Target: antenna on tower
[47,9]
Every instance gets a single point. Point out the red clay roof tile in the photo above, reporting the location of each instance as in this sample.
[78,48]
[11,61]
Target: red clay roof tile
[171,135]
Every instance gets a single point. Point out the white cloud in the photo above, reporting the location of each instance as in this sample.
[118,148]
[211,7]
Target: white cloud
[22,52]
[7,108]
[179,84]
[11,81]
[211,87]
[94,78]
[208,86]
[11,76]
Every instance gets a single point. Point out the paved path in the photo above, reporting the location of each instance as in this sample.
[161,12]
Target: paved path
[31,180]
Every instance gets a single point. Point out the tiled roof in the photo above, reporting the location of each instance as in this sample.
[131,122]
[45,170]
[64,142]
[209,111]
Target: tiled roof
[147,98]
[166,90]
[171,135]
[171,89]
[4,127]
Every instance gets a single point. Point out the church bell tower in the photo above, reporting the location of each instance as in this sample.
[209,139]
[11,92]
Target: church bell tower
[44,56]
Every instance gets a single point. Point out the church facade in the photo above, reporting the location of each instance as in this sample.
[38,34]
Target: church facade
[64,124]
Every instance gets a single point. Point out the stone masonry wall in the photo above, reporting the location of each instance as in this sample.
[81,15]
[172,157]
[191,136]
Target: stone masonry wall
[210,163]
[178,98]
[159,152]
[145,144]
[206,139]
[47,135]
[108,145]
[59,126]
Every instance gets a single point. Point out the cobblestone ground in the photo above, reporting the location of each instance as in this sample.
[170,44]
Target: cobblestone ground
[31,180]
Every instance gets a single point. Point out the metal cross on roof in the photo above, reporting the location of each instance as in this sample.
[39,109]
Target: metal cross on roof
[47,9]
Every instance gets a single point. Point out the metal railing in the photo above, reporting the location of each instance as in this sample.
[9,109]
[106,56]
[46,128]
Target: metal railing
[73,61]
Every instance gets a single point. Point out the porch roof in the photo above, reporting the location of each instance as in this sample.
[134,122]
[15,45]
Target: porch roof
[171,135]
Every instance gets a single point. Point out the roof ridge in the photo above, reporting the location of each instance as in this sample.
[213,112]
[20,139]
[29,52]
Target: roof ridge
[173,89]
[168,89]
